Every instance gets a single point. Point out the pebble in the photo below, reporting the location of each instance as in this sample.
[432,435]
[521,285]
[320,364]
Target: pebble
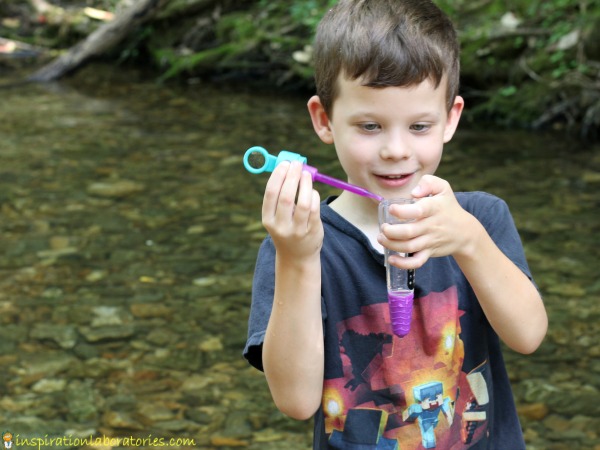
[121,420]
[45,364]
[153,412]
[534,411]
[64,335]
[115,189]
[149,310]
[47,386]
[107,332]
[219,441]
[212,344]
[103,316]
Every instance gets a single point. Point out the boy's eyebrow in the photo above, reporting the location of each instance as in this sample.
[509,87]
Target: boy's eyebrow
[373,115]
[362,115]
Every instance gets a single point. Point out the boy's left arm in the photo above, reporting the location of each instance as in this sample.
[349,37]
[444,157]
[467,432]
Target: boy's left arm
[509,299]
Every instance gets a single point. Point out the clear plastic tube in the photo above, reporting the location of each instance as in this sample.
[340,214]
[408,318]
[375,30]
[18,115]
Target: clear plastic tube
[400,282]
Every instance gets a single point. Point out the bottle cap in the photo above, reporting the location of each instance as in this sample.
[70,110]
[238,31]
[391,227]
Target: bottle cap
[255,156]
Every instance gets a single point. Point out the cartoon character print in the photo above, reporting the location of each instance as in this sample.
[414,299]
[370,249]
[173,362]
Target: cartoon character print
[475,412]
[430,401]
[394,390]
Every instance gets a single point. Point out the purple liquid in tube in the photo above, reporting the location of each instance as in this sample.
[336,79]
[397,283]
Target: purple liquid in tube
[401,305]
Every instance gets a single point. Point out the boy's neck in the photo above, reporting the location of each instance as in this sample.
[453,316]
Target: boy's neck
[361,212]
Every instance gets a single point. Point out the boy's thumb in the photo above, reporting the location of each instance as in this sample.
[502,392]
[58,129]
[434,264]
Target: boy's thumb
[428,185]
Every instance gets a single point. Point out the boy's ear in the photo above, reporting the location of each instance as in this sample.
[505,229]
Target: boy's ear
[320,120]
[453,118]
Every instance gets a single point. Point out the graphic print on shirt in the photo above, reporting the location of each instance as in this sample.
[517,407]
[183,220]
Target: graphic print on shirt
[409,390]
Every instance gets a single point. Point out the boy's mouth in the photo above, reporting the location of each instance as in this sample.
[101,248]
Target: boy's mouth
[393,177]
[395,180]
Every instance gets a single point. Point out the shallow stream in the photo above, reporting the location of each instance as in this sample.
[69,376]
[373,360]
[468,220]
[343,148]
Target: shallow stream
[129,230]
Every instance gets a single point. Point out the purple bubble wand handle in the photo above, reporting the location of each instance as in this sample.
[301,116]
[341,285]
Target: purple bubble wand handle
[270,162]
[326,179]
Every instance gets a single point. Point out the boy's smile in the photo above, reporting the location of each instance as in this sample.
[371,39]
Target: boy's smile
[387,138]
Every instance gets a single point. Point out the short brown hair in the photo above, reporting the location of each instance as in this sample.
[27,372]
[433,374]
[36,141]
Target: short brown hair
[386,43]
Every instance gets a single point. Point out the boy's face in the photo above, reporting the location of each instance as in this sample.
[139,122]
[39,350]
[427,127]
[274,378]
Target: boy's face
[387,138]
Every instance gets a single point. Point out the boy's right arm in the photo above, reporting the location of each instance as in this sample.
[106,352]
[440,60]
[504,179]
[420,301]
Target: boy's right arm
[293,356]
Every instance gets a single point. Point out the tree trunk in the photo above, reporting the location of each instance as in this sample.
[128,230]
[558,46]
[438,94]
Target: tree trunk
[101,40]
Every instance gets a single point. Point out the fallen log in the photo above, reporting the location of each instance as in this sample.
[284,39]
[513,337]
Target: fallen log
[101,40]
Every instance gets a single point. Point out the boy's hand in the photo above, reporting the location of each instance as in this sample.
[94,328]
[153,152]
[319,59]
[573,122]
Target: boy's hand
[440,227]
[291,213]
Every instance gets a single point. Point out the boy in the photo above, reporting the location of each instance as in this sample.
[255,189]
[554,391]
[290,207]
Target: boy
[387,78]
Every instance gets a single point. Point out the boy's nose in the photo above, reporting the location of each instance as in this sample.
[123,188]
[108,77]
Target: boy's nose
[395,148]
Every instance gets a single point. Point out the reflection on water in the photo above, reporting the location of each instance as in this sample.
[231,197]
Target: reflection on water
[129,233]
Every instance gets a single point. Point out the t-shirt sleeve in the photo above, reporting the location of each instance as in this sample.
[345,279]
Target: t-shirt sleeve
[263,287]
[495,216]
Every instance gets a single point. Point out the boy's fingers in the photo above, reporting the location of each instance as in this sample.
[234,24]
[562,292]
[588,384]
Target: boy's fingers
[287,197]
[273,189]
[304,201]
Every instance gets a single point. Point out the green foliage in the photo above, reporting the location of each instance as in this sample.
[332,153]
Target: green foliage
[524,61]
[186,63]
[267,34]
[309,13]
[520,59]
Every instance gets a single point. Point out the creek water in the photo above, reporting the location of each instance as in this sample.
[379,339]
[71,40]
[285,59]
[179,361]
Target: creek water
[129,231]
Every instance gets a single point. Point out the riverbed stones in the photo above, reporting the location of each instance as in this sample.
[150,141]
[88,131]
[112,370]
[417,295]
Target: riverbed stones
[127,253]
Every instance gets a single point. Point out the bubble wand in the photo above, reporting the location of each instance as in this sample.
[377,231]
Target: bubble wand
[400,283]
[258,160]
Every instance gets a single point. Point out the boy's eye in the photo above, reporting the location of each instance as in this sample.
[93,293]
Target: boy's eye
[370,126]
[419,127]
